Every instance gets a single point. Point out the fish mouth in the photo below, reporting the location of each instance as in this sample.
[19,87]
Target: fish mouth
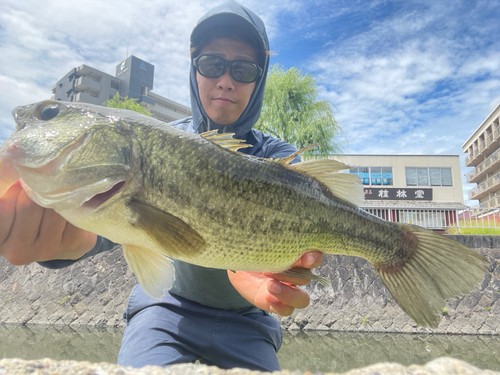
[101,198]
[89,196]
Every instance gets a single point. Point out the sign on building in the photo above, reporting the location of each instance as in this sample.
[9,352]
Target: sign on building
[398,194]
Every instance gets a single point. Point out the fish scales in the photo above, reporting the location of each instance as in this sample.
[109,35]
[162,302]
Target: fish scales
[162,192]
[280,206]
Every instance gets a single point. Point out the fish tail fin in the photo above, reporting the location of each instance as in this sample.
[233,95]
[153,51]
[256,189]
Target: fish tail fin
[155,272]
[436,268]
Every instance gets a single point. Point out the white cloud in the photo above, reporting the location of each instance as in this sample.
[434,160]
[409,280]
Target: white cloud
[41,41]
[408,83]
[418,82]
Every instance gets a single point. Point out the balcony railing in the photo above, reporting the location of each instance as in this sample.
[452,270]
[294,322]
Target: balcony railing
[483,166]
[479,191]
[490,203]
[490,140]
[86,83]
[481,147]
[86,98]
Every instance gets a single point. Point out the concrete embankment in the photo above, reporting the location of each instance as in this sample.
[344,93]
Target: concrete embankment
[95,291]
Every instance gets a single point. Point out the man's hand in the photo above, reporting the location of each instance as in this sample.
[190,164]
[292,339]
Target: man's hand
[275,292]
[31,233]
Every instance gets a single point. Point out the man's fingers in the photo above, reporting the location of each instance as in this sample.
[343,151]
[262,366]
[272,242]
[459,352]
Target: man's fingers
[288,295]
[8,210]
[52,225]
[76,241]
[27,222]
[50,235]
[311,259]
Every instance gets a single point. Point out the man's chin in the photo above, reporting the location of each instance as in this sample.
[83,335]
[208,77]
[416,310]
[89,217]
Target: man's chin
[223,120]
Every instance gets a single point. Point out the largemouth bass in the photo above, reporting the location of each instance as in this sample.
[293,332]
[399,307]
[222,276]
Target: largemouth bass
[164,193]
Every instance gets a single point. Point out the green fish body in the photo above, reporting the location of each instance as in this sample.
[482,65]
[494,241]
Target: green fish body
[164,193]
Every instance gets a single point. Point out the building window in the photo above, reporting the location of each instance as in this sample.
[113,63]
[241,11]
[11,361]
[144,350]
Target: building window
[422,177]
[428,177]
[374,176]
[115,85]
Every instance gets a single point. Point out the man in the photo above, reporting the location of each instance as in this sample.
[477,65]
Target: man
[215,316]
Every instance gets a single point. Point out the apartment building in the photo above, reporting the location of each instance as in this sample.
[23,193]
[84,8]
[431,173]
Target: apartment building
[483,153]
[133,78]
[418,189]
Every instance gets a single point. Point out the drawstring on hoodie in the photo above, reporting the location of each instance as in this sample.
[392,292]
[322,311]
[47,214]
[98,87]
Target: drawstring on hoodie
[208,126]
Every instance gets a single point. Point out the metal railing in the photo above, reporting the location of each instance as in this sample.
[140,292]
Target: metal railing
[489,161]
[443,217]
[489,139]
[490,203]
[490,183]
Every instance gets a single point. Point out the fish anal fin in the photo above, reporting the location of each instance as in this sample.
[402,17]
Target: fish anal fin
[169,232]
[155,272]
[434,268]
[306,273]
[225,140]
[346,186]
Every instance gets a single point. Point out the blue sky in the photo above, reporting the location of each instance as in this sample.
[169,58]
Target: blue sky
[405,77]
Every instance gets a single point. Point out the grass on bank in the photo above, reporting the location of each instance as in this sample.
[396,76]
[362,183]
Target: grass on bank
[479,231]
[471,226]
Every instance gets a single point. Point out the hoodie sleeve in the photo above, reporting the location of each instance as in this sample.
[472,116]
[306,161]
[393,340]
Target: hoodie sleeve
[101,245]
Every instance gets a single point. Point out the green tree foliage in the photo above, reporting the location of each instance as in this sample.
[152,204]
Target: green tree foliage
[292,112]
[126,103]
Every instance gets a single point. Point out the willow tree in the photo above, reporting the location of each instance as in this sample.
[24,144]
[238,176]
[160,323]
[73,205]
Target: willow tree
[292,112]
[126,103]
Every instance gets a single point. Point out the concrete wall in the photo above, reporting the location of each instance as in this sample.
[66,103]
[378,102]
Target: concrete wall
[95,292]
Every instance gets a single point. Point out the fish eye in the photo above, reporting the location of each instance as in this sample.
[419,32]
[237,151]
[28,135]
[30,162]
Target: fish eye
[49,112]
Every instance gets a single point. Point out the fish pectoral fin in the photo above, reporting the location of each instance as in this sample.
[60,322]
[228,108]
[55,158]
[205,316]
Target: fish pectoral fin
[346,186]
[225,140]
[306,273]
[169,232]
[155,272]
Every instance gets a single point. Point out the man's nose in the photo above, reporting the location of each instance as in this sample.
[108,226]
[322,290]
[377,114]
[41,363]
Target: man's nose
[226,82]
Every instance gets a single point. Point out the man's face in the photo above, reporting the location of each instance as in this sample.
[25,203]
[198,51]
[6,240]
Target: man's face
[223,98]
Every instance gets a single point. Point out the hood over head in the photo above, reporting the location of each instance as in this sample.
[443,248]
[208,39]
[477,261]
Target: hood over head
[231,13]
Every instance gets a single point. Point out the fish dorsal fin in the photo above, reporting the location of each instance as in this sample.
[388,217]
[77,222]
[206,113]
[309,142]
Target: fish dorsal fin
[155,272]
[225,140]
[169,232]
[289,158]
[346,186]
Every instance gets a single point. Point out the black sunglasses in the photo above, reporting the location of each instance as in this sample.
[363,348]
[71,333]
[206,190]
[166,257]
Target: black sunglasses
[212,66]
